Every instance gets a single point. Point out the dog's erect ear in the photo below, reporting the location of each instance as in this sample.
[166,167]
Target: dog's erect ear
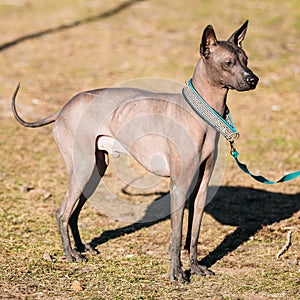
[208,42]
[238,36]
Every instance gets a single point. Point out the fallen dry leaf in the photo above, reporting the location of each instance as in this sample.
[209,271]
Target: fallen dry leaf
[76,286]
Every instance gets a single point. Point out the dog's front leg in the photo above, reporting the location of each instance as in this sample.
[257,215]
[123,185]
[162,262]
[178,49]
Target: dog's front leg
[177,210]
[180,187]
[198,210]
[196,268]
[183,180]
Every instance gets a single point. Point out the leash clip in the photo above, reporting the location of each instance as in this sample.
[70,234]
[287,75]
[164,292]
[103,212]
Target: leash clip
[234,153]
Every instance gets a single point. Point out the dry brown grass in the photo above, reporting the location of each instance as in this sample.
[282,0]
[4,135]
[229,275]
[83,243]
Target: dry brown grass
[246,224]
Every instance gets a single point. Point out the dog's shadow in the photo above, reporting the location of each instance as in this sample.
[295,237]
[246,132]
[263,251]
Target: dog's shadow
[247,209]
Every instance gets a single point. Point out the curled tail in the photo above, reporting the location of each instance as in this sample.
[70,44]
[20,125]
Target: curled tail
[50,119]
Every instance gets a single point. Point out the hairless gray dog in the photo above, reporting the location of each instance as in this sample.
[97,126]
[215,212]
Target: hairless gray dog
[160,130]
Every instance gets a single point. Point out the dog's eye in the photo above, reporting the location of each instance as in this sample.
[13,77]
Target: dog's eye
[228,63]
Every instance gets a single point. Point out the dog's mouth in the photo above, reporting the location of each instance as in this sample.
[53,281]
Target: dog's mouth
[242,87]
[248,83]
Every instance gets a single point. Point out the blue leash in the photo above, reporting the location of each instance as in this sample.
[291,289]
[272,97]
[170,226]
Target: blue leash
[226,128]
[234,153]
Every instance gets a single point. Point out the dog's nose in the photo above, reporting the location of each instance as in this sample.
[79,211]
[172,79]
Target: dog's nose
[252,80]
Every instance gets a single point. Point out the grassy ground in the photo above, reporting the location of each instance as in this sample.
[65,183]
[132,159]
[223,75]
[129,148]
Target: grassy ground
[57,48]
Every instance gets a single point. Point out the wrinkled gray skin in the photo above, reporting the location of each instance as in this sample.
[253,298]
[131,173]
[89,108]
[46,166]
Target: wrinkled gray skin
[161,131]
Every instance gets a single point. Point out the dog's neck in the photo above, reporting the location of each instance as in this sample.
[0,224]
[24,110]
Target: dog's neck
[215,95]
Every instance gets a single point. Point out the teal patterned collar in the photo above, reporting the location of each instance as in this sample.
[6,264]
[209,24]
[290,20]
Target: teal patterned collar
[208,114]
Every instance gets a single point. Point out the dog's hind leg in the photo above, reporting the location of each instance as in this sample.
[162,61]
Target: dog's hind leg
[85,168]
[63,214]
[73,223]
[98,173]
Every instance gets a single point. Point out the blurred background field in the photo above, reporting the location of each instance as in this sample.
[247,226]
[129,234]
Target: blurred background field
[58,48]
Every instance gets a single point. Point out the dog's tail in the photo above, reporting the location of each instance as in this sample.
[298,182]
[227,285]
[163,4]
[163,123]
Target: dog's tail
[50,119]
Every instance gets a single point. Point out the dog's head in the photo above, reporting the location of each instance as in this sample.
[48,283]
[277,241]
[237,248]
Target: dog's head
[226,61]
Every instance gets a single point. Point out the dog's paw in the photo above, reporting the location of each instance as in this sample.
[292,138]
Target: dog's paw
[90,249]
[75,255]
[177,274]
[200,270]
